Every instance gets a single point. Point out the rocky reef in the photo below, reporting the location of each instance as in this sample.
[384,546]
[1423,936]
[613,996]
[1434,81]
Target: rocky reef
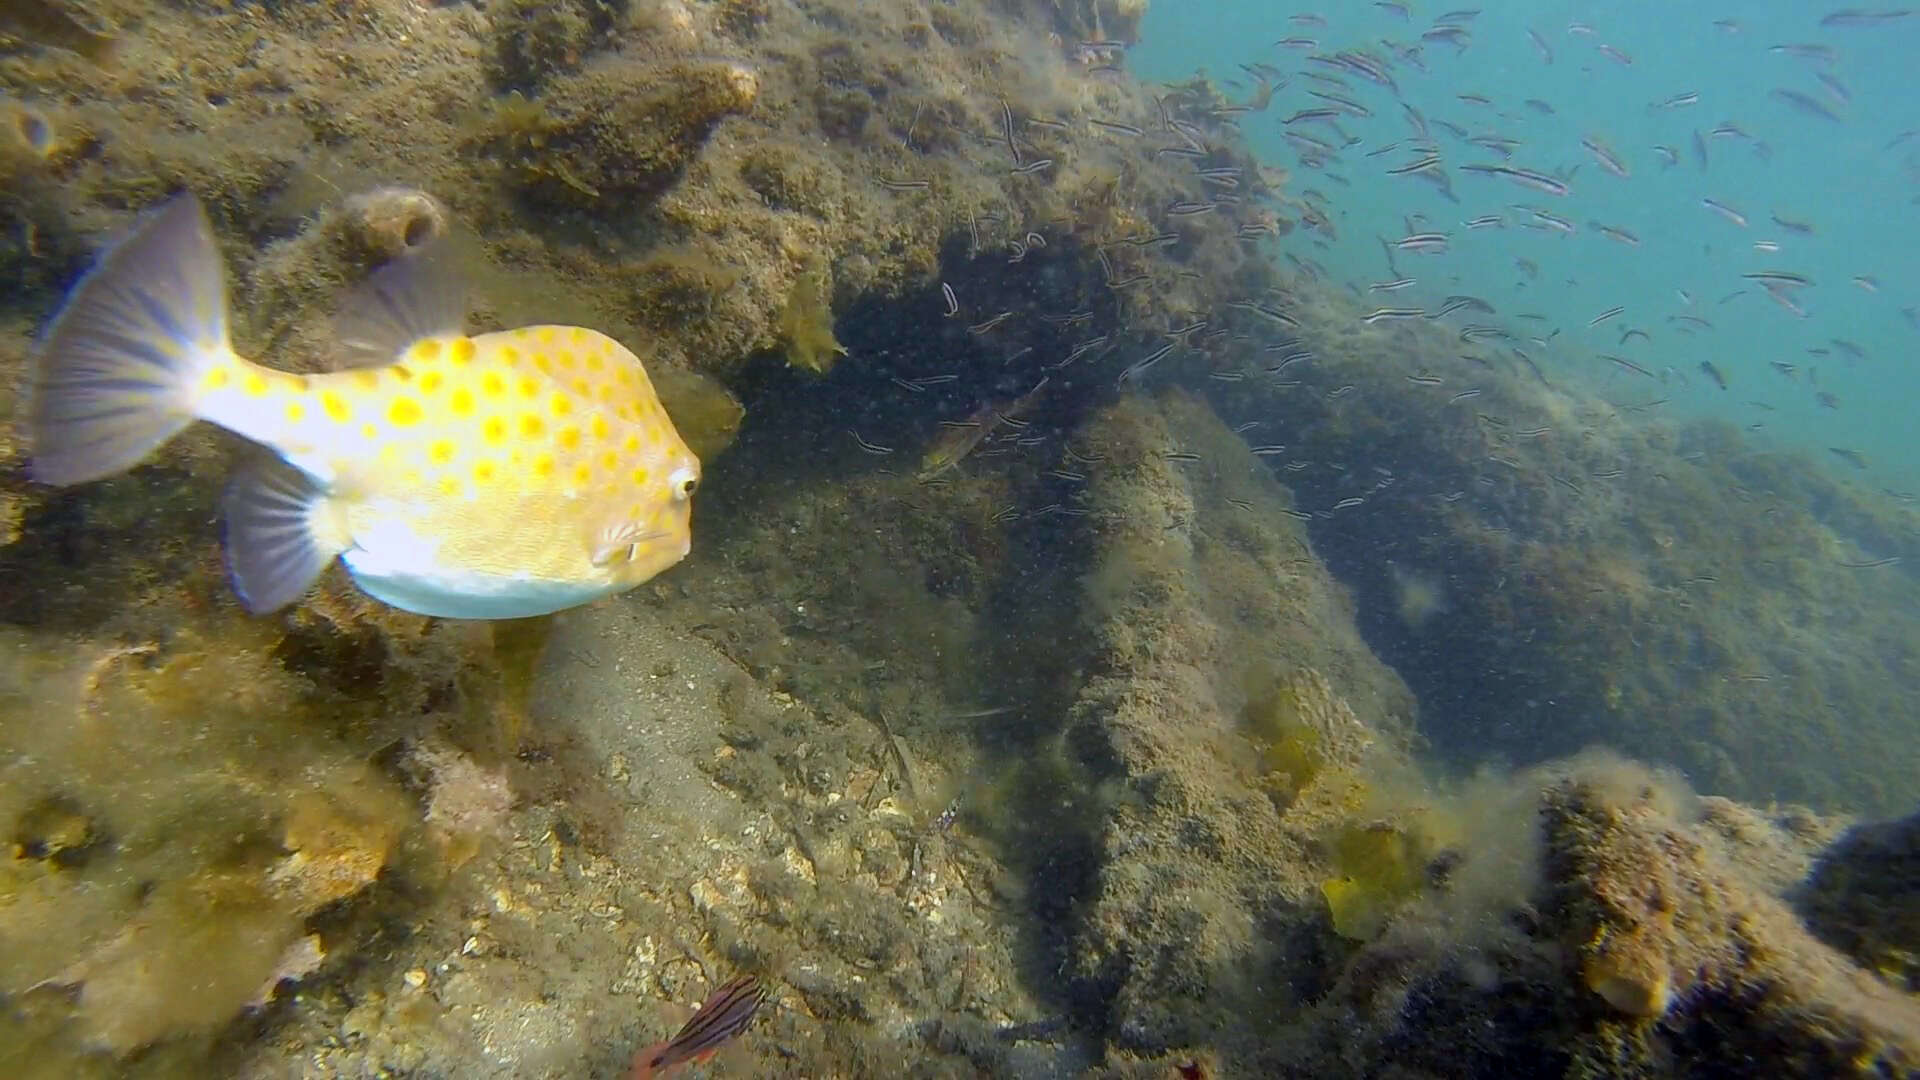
[1657,586]
[1209,639]
[1100,654]
[1860,898]
[1663,928]
[1648,932]
[193,819]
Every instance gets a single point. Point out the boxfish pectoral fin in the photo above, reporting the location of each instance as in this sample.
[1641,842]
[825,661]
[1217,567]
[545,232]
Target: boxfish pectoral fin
[274,552]
[619,540]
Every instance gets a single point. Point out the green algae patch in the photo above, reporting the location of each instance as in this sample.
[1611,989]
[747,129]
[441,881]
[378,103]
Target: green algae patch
[176,813]
[1380,867]
[1311,752]
[806,322]
[1293,753]
[704,411]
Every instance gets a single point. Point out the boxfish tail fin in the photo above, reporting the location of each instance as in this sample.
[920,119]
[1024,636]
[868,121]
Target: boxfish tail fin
[274,550]
[116,374]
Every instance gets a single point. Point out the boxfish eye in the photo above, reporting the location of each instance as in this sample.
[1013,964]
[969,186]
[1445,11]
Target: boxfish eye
[683,482]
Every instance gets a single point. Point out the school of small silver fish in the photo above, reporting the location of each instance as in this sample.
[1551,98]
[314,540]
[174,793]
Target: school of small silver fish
[1513,165]
[1362,111]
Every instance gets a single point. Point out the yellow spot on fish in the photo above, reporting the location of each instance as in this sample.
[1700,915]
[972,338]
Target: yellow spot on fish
[336,406]
[404,412]
[569,437]
[604,394]
[544,335]
[577,334]
[561,405]
[461,401]
[563,359]
[493,384]
[425,350]
[366,380]
[254,384]
[640,478]
[484,471]
[495,430]
[296,412]
[509,355]
[582,387]
[594,362]
[582,473]
[609,461]
[529,387]
[441,451]
[218,378]
[631,444]
[532,426]
[543,465]
[600,430]
[450,485]
[430,381]
[462,352]
[623,375]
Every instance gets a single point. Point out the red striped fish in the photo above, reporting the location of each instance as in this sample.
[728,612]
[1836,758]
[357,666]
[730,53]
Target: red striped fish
[722,1017]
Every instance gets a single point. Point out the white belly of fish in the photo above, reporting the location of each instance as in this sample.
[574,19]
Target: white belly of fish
[398,566]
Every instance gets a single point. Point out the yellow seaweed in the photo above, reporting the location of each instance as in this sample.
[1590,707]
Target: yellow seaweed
[806,323]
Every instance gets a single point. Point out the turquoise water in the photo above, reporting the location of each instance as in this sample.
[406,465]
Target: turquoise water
[1854,180]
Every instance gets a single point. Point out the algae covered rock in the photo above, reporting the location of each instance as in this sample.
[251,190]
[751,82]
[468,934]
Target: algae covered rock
[1863,898]
[1701,961]
[533,39]
[1592,918]
[1377,867]
[204,808]
[1208,635]
[617,133]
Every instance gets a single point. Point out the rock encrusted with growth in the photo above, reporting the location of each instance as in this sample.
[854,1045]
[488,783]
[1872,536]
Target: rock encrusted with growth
[1863,898]
[1667,933]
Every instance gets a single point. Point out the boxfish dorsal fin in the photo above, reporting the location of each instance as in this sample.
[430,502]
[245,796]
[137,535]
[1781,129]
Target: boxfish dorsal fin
[416,296]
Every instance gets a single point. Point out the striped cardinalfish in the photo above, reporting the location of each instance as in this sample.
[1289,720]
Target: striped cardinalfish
[720,1018]
[504,475]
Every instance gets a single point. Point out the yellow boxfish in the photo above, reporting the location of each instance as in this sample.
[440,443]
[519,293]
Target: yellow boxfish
[497,476]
